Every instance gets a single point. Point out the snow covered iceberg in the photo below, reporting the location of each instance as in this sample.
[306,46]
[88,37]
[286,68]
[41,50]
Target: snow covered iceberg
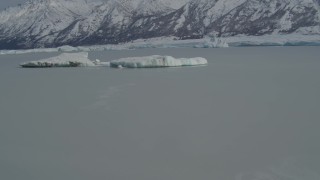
[157,61]
[63,60]
[81,59]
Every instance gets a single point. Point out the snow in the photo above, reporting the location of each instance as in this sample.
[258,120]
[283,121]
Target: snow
[221,7]
[62,60]
[45,18]
[180,22]
[176,4]
[157,6]
[157,61]
[147,7]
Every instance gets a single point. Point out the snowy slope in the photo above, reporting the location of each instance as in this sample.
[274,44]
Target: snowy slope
[52,23]
[42,21]
[257,17]
[152,7]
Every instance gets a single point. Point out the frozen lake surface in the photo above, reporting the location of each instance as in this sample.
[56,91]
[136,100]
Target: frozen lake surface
[251,114]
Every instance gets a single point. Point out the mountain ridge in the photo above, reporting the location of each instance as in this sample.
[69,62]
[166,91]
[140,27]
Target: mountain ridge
[48,23]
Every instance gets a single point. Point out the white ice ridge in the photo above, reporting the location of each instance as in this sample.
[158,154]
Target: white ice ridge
[63,60]
[157,61]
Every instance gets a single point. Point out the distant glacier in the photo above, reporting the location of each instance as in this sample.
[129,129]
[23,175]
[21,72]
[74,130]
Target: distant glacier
[169,42]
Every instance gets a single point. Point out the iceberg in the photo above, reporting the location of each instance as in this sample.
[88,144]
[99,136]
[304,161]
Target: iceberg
[157,61]
[63,60]
[80,59]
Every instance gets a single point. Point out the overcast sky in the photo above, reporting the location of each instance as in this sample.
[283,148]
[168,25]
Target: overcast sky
[6,3]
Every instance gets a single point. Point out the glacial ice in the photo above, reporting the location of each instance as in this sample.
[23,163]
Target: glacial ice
[62,60]
[170,42]
[80,59]
[157,61]
[67,48]
[212,42]
[274,40]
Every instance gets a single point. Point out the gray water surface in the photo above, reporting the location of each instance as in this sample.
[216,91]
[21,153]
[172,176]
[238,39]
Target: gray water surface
[251,114]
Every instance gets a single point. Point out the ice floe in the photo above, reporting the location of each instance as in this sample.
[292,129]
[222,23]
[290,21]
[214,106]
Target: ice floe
[157,61]
[81,59]
[63,60]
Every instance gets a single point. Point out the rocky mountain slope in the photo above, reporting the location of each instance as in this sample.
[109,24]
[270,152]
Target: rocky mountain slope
[51,23]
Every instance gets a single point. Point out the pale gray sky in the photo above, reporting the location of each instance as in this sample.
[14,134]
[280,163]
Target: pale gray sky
[6,3]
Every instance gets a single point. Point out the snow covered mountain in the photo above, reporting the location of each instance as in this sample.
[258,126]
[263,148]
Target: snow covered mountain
[50,23]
